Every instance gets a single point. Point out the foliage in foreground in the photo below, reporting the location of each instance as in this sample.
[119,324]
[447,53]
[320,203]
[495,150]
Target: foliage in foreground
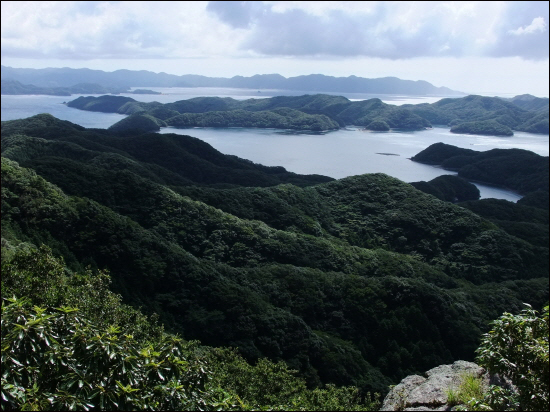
[516,348]
[54,359]
[88,358]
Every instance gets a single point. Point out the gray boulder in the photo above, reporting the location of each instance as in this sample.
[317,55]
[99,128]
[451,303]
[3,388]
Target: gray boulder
[429,393]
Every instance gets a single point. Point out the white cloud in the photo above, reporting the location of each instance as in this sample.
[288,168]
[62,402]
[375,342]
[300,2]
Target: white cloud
[383,29]
[89,30]
[393,30]
[538,24]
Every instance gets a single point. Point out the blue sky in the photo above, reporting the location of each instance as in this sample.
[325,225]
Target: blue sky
[498,48]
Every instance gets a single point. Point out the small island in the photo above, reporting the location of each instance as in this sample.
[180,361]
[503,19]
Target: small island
[144,91]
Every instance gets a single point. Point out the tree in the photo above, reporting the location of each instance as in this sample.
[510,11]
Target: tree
[517,347]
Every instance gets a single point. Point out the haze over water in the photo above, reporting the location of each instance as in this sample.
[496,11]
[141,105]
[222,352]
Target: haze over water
[337,154]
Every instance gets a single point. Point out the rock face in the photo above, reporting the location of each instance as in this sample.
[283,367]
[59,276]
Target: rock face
[417,393]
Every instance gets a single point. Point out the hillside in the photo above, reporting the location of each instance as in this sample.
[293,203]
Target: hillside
[359,281]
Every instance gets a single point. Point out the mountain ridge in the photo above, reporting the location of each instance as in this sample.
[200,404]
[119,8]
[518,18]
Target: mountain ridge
[66,77]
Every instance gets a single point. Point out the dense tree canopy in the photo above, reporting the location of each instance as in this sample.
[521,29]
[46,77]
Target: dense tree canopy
[358,281]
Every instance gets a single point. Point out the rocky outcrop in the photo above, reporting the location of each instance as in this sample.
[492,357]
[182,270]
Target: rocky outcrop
[429,393]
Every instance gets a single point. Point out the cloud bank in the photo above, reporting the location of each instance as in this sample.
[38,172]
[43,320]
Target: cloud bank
[294,29]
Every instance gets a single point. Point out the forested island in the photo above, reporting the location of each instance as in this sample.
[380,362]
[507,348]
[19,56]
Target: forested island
[517,169]
[356,282]
[144,91]
[321,112]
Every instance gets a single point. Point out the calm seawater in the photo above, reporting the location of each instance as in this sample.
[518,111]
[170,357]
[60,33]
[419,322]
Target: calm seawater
[337,154]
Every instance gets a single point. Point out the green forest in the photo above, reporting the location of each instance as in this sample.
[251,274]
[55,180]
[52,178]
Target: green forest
[206,281]
[321,112]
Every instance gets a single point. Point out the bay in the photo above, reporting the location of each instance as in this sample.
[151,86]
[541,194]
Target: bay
[338,154]
[172,94]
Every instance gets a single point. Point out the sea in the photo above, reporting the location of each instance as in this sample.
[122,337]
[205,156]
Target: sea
[338,154]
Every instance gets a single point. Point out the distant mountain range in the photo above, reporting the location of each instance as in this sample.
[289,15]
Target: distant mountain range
[124,79]
[15,87]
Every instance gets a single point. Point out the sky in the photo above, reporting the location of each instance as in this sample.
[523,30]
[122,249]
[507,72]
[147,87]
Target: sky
[489,48]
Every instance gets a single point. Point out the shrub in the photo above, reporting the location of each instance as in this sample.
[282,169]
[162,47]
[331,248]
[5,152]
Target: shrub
[517,347]
[57,360]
